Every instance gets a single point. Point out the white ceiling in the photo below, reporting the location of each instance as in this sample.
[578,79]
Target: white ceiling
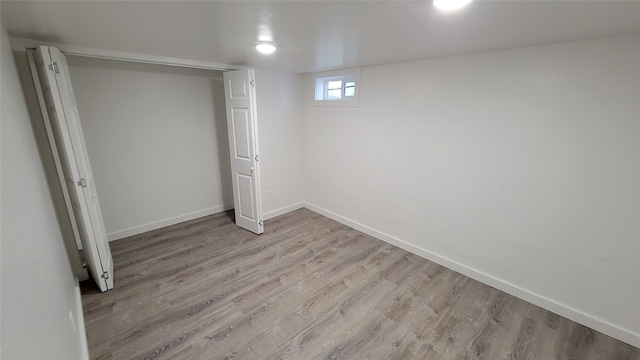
[315,35]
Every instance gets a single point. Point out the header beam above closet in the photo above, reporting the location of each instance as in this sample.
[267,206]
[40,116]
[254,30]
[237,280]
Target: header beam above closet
[20,44]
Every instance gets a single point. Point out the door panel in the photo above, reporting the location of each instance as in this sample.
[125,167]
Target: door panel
[62,113]
[247,204]
[82,159]
[243,144]
[239,87]
[241,134]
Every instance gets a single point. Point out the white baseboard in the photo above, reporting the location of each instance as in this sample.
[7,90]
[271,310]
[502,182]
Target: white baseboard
[166,222]
[282,210]
[80,328]
[593,322]
[194,215]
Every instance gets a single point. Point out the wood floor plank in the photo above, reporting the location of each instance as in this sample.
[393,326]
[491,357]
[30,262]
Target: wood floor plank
[311,288]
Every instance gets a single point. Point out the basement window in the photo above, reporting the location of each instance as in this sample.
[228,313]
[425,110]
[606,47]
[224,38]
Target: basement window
[337,88]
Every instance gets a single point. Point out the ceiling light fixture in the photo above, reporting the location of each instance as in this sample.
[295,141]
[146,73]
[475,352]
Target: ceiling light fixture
[449,5]
[266,47]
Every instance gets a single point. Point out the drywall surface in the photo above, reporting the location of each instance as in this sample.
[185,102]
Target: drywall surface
[39,290]
[280,130]
[521,166]
[157,140]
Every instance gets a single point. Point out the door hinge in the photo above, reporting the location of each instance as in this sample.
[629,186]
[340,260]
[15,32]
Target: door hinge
[82,182]
[260,223]
[53,66]
[256,157]
[105,275]
[252,82]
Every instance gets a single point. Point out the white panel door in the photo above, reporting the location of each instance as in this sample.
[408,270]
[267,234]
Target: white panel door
[240,95]
[62,112]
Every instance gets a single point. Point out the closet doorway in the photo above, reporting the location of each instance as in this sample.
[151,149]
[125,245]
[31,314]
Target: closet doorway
[52,78]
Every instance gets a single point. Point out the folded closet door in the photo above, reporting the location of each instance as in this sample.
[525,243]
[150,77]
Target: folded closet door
[239,90]
[62,113]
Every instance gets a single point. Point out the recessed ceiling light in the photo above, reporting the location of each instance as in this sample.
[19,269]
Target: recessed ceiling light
[266,47]
[448,5]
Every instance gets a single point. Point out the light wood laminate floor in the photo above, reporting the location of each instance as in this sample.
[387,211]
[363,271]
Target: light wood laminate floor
[311,288]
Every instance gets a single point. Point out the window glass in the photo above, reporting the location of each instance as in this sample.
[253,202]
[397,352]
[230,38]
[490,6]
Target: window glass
[334,89]
[334,94]
[331,85]
[350,88]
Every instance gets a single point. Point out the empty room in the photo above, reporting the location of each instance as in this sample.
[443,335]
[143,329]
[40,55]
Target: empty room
[435,179]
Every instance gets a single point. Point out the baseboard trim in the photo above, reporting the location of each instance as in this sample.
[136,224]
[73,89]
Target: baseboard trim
[593,322]
[282,210]
[80,328]
[166,222]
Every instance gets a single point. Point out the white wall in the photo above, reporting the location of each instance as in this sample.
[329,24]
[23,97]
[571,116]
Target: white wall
[280,129]
[520,168]
[157,139]
[38,287]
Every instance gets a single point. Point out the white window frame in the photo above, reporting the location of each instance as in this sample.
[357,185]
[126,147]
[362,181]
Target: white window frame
[321,79]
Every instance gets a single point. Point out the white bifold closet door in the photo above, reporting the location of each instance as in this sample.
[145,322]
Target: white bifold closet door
[240,97]
[61,111]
